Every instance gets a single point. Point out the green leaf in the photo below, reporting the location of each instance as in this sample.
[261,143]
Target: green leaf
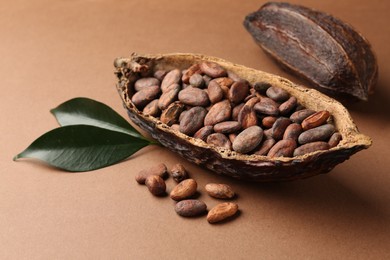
[82,147]
[85,111]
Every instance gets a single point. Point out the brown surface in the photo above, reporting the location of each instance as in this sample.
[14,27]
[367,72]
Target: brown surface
[52,51]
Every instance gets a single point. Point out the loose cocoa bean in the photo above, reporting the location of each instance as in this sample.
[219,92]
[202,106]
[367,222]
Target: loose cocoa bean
[169,96]
[300,115]
[315,120]
[251,100]
[220,140]
[145,82]
[190,208]
[194,97]
[247,117]
[311,147]
[262,87]
[279,127]
[193,120]
[334,140]
[319,133]
[232,137]
[184,190]
[178,172]
[171,115]
[219,191]
[248,139]
[222,212]
[277,94]
[227,127]
[146,95]
[152,109]
[267,106]
[236,110]
[160,74]
[233,76]
[215,92]
[224,81]
[219,112]
[156,185]
[283,148]
[175,127]
[206,80]
[159,169]
[292,131]
[212,69]
[204,132]
[172,77]
[238,91]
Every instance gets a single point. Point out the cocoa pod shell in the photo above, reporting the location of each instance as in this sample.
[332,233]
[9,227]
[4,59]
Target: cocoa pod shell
[227,162]
[316,46]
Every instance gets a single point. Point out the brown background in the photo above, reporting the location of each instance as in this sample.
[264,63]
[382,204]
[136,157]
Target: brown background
[52,51]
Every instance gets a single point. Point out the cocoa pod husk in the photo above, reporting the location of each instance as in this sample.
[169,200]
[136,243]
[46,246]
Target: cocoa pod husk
[316,46]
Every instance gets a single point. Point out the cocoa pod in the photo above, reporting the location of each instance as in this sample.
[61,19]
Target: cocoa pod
[219,191]
[190,208]
[159,169]
[184,190]
[222,212]
[324,50]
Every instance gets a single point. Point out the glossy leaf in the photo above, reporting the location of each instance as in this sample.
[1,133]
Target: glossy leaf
[82,147]
[85,111]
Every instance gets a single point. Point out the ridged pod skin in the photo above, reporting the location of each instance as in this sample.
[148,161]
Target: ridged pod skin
[316,46]
[226,162]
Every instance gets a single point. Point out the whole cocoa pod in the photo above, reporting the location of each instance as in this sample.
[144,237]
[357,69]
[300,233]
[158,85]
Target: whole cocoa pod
[314,45]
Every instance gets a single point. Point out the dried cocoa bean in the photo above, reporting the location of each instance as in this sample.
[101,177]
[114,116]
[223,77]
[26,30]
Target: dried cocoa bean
[247,117]
[265,147]
[171,115]
[283,148]
[315,120]
[178,172]
[159,169]
[311,147]
[267,106]
[236,110]
[169,96]
[227,127]
[286,107]
[194,97]
[184,190]
[146,95]
[268,121]
[232,136]
[156,185]
[189,72]
[204,132]
[196,81]
[321,48]
[222,212]
[175,127]
[192,121]
[300,115]
[220,140]
[248,139]
[206,80]
[251,100]
[238,91]
[172,77]
[219,112]
[152,109]
[215,92]
[219,191]
[262,87]
[334,140]
[292,131]
[224,81]
[160,74]
[279,127]
[190,208]
[277,94]
[145,82]
[212,69]
[319,133]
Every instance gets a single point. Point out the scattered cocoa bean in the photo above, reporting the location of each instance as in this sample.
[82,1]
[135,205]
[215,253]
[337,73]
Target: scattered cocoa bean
[219,191]
[178,172]
[222,212]
[184,190]
[156,185]
[287,106]
[159,169]
[190,208]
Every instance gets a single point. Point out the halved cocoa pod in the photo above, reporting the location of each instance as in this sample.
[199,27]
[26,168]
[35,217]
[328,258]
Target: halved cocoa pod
[223,160]
[316,46]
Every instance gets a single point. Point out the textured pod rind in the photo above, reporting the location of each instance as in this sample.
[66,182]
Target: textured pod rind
[227,162]
[316,46]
